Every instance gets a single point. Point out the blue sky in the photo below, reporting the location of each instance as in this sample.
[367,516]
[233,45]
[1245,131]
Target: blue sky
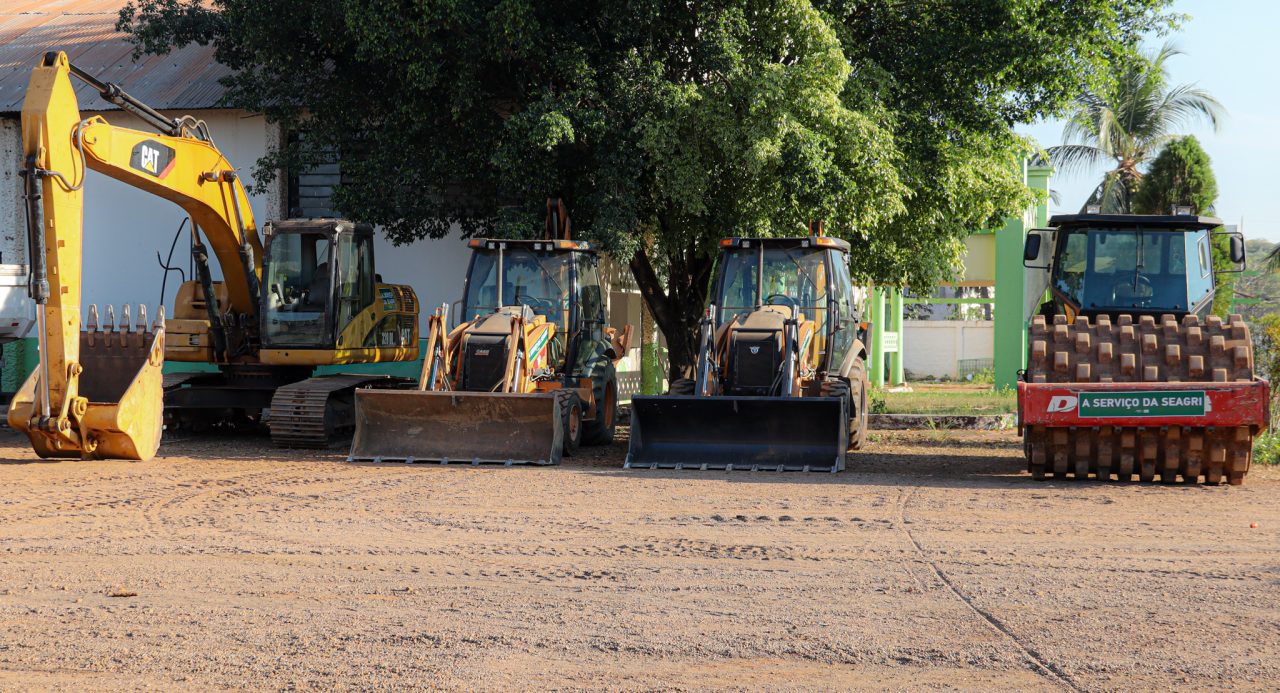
[1233,50]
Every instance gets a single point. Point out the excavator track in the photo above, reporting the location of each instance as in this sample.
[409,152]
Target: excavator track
[1148,351]
[173,381]
[312,412]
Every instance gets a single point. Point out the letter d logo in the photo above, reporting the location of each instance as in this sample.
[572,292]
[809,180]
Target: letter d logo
[1062,403]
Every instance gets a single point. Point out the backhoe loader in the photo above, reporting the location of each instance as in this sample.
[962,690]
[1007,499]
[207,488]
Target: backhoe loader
[780,381]
[528,376]
[309,297]
[1127,372]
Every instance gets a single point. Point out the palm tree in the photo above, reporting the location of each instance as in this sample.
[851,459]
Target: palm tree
[1128,123]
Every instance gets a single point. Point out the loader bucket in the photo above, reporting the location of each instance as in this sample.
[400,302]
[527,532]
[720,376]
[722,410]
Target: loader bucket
[457,427]
[123,383]
[809,434]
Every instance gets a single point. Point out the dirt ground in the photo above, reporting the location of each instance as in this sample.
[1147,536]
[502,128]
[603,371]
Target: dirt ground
[934,563]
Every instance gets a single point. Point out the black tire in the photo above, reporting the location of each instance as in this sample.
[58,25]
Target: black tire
[571,410]
[837,387]
[681,386]
[599,431]
[859,395]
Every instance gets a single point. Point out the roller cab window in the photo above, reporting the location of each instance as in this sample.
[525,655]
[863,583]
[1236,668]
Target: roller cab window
[1126,269]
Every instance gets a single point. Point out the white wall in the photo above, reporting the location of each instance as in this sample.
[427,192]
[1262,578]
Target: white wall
[435,269]
[933,347]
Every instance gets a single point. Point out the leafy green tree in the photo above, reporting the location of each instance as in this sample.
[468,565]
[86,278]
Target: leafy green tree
[1272,261]
[1180,175]
[666,125]
[1128,122]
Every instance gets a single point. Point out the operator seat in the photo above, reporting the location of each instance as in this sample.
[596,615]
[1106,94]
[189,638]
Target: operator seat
[318,294]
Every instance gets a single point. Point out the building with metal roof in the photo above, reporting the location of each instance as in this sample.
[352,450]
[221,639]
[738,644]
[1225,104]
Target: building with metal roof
[185,79]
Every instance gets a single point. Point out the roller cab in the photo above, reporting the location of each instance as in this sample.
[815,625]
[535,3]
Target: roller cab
[1127,373]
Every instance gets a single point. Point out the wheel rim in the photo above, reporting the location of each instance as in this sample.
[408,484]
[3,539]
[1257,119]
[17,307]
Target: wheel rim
[575,422]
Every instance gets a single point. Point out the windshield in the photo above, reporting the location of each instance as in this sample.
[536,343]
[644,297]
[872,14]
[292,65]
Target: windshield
[298,287]
[1126,268]
[790,275]
[538,280]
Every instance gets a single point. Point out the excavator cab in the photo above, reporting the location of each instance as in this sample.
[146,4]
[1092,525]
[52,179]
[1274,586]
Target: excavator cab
[318,276]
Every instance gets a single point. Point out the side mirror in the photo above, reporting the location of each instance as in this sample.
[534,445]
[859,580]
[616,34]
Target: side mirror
[1237,249]
[1031,251]
[1034,245]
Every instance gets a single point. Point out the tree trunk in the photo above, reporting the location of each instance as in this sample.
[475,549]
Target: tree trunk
[651,375]
[678,304]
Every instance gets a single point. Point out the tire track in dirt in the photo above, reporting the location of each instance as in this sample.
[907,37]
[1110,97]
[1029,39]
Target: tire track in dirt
[227,503]
[1042,665]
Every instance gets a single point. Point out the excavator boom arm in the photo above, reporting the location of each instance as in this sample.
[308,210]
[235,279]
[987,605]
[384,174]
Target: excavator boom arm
[194,175]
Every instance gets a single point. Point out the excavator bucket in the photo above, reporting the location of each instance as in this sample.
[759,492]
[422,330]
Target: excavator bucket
[783,434]
[457,427]
[123,383]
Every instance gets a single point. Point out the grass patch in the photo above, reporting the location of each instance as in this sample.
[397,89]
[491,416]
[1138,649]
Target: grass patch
[948,400]
[1266,448]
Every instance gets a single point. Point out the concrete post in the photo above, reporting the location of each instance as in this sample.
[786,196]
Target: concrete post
[1038,179]
[1010,351]
[879,325]
[899,373]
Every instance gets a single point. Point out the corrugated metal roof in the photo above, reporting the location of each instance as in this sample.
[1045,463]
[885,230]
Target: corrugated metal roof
[184,79]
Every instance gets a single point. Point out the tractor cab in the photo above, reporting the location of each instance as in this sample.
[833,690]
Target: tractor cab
[1108,264]
[803,278]
[558,280]
[317,278]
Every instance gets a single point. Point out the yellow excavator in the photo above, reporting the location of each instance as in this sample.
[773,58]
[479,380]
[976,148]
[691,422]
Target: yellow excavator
[307,297]
[530,374]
